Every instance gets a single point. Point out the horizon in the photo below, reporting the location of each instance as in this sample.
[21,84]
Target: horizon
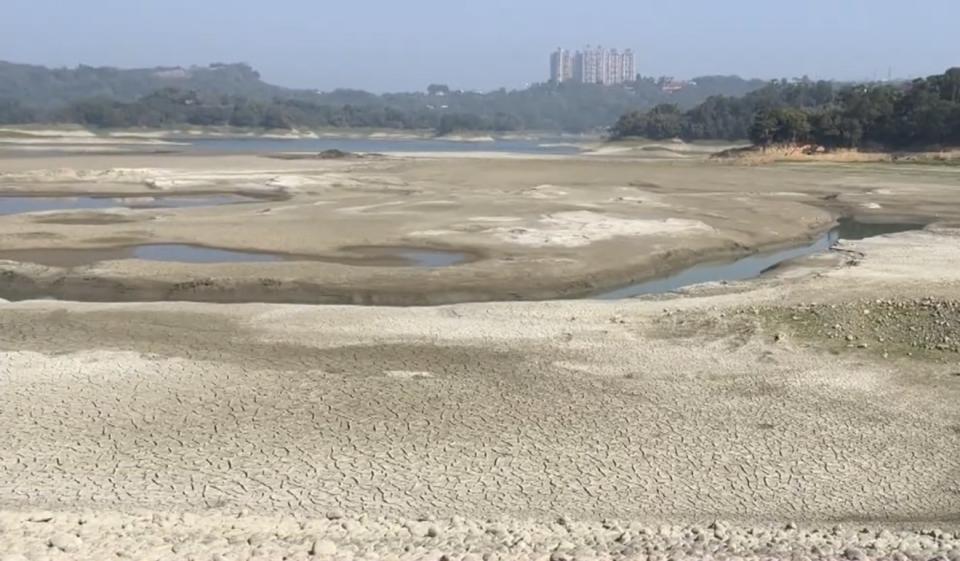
[453,86]
[483,46]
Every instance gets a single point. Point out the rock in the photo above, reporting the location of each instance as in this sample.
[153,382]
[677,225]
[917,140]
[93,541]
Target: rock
[323,547]
[334,514]
[67,543]
[854,554]
[419,529]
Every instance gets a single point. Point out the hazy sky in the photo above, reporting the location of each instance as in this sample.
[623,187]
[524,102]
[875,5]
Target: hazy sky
[483,44]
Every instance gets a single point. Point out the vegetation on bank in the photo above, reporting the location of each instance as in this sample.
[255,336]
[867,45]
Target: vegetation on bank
[922,113]
[925,112]
[235,95]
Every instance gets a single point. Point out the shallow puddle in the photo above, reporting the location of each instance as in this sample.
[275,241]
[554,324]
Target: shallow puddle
[755,265]
[399,256]
[850,229]
[20,205]
[364,256]
[185,253]
[174,253]
[432,258]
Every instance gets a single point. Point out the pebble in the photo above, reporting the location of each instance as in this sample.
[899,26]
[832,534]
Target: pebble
[66,543]
[419,529]
[854,554]
[323,547]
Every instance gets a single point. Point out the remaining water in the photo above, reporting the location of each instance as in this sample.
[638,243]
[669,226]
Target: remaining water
[20,205]
[185,253]
[431,259]
[381,145]
[755,265]
[850,229]
[189,253]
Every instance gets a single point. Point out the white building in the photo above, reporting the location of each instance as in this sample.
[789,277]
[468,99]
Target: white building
[561,66]
[593,65]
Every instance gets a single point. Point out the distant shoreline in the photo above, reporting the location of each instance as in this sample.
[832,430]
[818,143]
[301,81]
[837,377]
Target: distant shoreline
[74,134]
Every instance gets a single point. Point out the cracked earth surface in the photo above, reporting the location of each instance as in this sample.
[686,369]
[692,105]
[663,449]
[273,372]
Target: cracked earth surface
[567,430]
[509,414]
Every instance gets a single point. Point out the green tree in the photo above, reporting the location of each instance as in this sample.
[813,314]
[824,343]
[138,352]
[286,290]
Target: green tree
[793,126]
[663,122]
[246,114]
[763,131]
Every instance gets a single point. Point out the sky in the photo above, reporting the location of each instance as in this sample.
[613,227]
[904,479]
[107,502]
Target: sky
[404,45]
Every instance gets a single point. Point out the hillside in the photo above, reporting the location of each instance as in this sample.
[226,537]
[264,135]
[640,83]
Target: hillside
[54,87]
[234,94]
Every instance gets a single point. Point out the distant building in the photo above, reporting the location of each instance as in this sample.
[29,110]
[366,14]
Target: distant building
[561,66]
[668,84]
[593,65]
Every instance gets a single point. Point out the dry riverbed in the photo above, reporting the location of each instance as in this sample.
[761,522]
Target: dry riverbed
[810,413]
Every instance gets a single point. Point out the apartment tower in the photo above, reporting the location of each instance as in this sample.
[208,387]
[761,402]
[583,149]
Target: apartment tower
[593,65]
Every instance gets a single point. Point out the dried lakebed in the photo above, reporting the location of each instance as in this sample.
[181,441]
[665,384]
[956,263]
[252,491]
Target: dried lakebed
[570,430]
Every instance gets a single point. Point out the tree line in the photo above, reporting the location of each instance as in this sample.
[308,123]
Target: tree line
[922,113]
[235,95]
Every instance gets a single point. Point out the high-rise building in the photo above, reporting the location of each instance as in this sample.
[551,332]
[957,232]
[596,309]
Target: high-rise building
[621,67]
[561,66]
[593,65]
[629,66]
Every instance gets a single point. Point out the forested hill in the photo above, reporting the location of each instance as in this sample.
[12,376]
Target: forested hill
[41,87]
[234,94]
[924,113]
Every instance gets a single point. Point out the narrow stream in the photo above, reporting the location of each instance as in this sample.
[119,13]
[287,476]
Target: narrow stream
[755,265]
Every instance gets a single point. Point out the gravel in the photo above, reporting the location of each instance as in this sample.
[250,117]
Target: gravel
[162,537]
